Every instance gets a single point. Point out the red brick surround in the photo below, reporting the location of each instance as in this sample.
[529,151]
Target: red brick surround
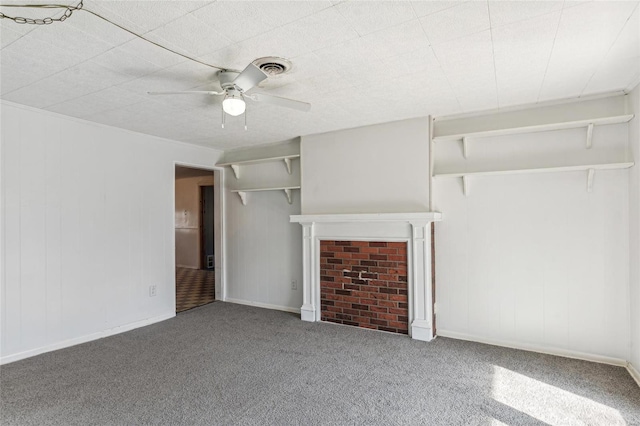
[364,283]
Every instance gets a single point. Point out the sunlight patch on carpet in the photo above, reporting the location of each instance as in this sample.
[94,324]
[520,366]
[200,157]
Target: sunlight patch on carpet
[547,403]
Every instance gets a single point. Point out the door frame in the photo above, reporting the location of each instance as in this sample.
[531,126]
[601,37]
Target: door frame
[219,232]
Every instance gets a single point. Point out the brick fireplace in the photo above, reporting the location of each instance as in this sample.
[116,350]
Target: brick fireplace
[353,242]
[364,284]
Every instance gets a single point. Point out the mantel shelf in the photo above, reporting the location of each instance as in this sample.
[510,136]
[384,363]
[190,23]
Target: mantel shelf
[590,168]
[235,165]
[242,193]
[368,217]
[587,123]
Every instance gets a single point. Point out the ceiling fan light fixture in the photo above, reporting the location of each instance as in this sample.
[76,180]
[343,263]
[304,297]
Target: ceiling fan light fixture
[233,105]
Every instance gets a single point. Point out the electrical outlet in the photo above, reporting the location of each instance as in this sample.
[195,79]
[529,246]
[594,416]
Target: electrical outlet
[152,290]
[294,285]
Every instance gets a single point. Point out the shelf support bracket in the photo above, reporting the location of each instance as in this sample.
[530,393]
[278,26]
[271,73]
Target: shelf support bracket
[236,170]
[590,136]
[464,147]
[590,174]
[465,185]
[287,192]
[243,197]
[287,163]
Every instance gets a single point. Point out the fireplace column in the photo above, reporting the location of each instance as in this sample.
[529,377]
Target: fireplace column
[309,302]
[422,304]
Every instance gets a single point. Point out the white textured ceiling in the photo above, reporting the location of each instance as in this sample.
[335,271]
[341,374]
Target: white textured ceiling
[357,63]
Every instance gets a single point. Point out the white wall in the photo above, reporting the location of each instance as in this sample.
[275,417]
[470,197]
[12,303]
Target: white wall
[88,226]
[373,169]
[264,250]
[634,225]
[535,261]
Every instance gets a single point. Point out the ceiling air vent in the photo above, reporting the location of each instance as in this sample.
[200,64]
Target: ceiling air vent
[272,65]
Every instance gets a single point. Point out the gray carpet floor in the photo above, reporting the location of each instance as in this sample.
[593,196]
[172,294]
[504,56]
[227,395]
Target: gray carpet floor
[231,364]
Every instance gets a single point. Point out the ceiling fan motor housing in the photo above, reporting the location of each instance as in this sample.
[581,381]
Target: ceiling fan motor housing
[226,79]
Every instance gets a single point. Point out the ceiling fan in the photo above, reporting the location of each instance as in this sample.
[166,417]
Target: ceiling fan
[235,86]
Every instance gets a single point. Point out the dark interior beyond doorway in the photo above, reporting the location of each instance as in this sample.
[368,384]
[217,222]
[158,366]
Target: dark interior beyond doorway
[206,228]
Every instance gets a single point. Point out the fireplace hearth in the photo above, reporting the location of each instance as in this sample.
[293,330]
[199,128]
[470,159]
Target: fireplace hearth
[364,284]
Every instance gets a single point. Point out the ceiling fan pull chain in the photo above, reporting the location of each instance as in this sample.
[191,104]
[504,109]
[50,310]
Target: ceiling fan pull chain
[245,120]
[80,6]
[44,21]
[222,118]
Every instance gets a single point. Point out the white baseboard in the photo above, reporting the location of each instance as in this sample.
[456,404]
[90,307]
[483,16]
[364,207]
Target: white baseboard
[263,305]
[83,339]
[634,373]
[535,348]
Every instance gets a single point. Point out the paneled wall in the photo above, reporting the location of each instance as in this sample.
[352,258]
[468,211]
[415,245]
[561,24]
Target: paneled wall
[264,250]
[534,260]
[88,226]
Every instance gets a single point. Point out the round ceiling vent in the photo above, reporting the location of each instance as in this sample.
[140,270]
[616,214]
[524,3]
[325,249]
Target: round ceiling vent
[272,65]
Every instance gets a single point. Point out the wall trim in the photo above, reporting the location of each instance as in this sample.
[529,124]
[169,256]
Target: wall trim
[262,305]
[83,339]
[634,373]
[549,350]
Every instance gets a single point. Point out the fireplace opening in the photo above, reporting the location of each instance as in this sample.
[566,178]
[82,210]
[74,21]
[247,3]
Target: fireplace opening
[364,284]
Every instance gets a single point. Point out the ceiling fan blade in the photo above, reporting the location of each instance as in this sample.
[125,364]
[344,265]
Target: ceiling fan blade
[249,77]
[283,102]
[188,92]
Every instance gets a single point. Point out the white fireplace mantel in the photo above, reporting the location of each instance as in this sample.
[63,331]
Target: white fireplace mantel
[412,228]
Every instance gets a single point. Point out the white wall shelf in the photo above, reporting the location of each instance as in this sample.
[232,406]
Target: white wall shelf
[235,165]
[242,193]
[587,123]
[590,168]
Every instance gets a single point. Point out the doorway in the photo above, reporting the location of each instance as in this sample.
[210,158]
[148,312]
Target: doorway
[196,239]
